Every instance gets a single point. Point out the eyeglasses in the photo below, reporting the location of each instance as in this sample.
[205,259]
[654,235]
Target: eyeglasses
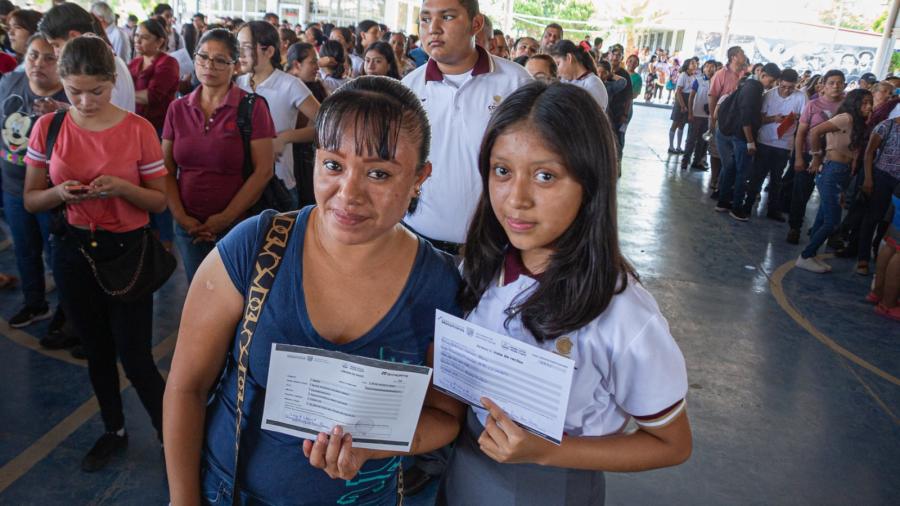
[218,63]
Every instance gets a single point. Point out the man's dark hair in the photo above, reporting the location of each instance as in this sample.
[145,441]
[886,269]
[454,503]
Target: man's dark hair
[134,19]
[161,9]
[471,6]
[598,41]
[67,17]
[271,15]
[556,26]
[833,73]
[733,51]
[6,7]
[789,75]
[772,70]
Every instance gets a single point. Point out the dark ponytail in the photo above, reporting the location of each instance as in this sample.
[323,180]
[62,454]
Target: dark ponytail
[335,50]
[564,48]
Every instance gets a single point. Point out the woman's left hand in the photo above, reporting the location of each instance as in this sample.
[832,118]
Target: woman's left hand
[505,442]
[109,187]
[335,454]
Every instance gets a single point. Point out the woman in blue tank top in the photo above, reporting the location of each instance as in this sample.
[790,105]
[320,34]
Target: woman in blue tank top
[352,279]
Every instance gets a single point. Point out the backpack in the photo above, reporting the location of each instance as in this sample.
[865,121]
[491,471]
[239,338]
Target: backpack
[727,115]
[275,195]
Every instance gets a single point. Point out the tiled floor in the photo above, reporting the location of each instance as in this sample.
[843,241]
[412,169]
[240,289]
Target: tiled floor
[794,398]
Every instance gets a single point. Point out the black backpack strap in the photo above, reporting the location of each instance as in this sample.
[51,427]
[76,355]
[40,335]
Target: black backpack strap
[268,261]
[53,131]
[245,126]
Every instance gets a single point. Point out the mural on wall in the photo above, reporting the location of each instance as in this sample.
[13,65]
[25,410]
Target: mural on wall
[798,55]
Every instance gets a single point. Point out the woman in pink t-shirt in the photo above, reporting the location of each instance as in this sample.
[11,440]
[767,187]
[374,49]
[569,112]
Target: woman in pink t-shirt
[107,169]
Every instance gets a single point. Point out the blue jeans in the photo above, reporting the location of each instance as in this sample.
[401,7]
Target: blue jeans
[30,234]
[162,222]
[726,154]
[831,182]
[733,178]
[192,255]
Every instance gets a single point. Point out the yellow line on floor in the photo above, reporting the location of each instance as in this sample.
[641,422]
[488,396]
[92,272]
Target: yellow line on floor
[27,340]
[22,463]
[781,298]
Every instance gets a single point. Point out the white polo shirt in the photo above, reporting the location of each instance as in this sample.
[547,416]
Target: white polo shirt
[284,93]
[594,85]
[701,97]
[773,105]
[123,89]
[356,65]
[627,364]
[458,108]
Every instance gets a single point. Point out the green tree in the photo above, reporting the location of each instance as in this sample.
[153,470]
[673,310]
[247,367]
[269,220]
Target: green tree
[631,16]
[845,12]
[878,24]
[576,10]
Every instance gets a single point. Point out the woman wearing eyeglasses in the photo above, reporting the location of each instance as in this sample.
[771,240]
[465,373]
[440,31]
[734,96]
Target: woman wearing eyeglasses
[204,153]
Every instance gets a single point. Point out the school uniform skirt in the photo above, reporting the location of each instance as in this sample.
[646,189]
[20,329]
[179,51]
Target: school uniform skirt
[473,478]
[677,114]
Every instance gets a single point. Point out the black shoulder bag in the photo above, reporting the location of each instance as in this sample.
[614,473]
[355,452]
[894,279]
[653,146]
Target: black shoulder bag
[268,261]
[141,270]
[275,195]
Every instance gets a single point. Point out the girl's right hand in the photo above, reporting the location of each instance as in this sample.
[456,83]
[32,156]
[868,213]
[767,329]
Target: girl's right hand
[799,164]
[68,197]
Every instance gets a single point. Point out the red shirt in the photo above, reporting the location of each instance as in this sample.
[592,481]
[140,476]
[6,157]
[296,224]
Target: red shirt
[160,80]
[129,150]
[210,153]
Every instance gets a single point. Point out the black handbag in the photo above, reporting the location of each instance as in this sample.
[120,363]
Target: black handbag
[139,271]
[275,195]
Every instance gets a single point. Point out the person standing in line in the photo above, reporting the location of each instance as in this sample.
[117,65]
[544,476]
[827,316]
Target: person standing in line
[165,12]
[620,104]
[576,66]
[698,119]
[345,37]
[543,266]
[68,20]
[405,64]
[285,95]
[637,83]
[526,46]
[882,175]
[460,87]
[683,85]
[781,110]
[843,135]
[108,170]
[380,61]
[553,33]
[302,63]
[204,153]
[332,65]
[25,97]
[741,129]
[118,37]
[817,110]
[723,83]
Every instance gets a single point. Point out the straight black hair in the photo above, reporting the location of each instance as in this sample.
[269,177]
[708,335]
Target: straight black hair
[385,50]
[852,105]
[566,47]
[377,109]
[224,37]
[363,27]
[263,34]
[156,28]
[335,50]
[833,73]
[67,17]
[27,19]
[587,268]
[298,51]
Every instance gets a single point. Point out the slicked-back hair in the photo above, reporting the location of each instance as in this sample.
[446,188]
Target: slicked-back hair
[587,267]
[378,111]
[87,55]
[566,47]
[335,50]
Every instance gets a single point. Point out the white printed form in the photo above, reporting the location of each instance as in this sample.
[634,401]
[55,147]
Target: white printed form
[531,384]
[311,390]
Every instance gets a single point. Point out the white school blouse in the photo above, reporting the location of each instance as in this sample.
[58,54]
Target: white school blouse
[627,364]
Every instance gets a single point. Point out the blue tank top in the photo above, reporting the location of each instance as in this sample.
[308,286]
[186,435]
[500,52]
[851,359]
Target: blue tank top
[273,468]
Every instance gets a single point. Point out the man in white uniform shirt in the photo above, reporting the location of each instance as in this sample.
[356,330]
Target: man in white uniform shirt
[68,20]
[782,105]
[459,87]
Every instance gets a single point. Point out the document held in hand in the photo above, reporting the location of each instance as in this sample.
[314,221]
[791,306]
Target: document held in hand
[311,390]
[786,124]
[530,384]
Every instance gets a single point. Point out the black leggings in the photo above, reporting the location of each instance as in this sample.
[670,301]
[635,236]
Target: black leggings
[109,327]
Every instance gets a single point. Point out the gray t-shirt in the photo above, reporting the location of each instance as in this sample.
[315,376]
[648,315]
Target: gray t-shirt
[16,120]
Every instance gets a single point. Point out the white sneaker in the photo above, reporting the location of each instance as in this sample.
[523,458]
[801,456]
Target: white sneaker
[822,263]
[810,264]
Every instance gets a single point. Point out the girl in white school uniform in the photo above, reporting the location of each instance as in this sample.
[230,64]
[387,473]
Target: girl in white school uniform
[543,265]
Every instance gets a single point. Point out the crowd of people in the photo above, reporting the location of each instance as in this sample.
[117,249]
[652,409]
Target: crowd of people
[404,163]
